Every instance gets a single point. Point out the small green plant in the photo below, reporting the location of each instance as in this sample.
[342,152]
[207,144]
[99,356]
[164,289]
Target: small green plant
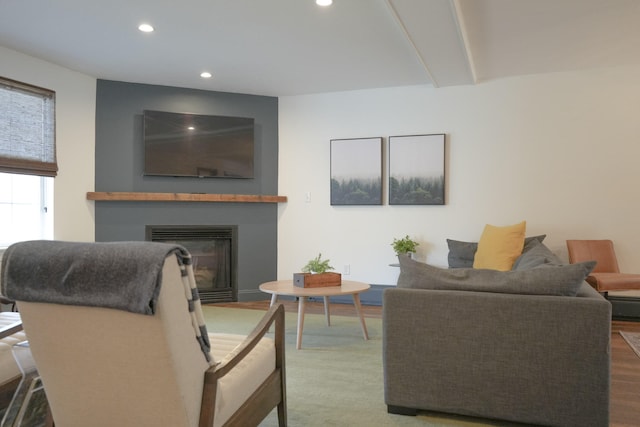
[404,245]
[317,265]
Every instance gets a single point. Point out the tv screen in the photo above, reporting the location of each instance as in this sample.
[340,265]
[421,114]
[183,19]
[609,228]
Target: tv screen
[194,145]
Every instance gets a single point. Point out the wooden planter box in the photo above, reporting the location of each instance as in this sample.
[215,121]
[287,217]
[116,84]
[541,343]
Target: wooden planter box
[320,280]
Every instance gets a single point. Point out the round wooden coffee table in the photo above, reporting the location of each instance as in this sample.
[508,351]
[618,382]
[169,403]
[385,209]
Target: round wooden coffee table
[348,287]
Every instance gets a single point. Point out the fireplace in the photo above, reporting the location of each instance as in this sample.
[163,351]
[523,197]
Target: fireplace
[214,250]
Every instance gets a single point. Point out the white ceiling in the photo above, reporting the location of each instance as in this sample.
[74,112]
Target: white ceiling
[293,47]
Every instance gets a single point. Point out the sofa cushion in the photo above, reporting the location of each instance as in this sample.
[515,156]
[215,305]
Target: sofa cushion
[546,279]
[535,255]
[236,387]
[461,254]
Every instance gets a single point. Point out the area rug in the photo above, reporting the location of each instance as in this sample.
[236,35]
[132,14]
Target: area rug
[336,378]
[633,339]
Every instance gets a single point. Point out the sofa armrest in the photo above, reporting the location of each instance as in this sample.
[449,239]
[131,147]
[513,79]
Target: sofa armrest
[527,358]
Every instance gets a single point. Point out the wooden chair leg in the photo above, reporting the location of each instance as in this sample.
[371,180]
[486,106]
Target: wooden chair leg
[48,422]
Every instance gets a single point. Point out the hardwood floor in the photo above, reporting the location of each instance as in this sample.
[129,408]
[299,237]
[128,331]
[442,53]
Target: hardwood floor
[625,364]
[625,377]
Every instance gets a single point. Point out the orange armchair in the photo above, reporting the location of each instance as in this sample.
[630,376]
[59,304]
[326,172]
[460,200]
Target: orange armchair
[606,275]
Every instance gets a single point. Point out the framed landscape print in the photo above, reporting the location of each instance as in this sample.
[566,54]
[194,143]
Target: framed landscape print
[416,170]
[356,171]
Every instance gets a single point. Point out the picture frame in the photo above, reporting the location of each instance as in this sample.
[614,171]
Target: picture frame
[356,171]
[417,169]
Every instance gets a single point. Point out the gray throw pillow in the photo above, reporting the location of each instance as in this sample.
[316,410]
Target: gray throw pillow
[536,255]
[462,254]
[547,279]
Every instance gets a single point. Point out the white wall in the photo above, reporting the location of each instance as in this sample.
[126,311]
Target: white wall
[560,151]
[75,139]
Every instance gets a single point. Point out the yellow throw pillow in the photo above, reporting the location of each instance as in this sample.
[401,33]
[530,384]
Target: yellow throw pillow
[499,247]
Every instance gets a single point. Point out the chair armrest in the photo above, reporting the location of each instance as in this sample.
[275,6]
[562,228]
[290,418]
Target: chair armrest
[275,314]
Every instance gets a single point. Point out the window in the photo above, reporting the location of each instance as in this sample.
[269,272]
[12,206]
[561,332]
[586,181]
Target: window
[27,161]
[25,208]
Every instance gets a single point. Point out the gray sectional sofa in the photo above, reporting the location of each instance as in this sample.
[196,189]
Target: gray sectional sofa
[530,345]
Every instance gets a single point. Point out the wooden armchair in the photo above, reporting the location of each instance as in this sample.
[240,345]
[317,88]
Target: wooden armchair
[104,365]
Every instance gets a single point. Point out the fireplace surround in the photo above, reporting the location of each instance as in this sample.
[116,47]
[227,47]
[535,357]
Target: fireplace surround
[214,251]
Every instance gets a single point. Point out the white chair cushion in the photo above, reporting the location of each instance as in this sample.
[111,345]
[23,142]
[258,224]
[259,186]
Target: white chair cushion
[237,386]
[8,367]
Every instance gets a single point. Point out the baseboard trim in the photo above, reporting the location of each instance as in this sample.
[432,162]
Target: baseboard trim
[371,297]
[623,308]
[247,295]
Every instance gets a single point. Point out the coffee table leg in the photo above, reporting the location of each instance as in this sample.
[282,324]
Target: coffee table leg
[327,311]
[301,301]
[356,303]
[274,298]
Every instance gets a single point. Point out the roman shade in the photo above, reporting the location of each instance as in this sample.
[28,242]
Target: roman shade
[27,129]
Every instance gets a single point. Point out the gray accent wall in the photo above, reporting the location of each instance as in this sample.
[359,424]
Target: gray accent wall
[119,167]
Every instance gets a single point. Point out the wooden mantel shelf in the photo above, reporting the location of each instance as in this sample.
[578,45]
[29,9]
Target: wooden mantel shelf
[182,197]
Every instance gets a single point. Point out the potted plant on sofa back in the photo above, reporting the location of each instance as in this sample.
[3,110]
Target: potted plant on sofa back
[404,246]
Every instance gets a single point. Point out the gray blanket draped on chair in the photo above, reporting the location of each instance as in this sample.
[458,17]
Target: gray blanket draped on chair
[121,275]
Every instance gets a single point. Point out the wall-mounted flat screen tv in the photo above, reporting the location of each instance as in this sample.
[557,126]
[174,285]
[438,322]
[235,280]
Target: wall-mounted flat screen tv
[194,145]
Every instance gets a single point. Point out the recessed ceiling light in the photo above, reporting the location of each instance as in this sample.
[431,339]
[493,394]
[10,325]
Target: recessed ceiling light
[205,75]
[145,28]
[324,2]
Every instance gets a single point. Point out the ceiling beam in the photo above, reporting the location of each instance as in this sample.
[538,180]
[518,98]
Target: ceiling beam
[458,17]
[401,25]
